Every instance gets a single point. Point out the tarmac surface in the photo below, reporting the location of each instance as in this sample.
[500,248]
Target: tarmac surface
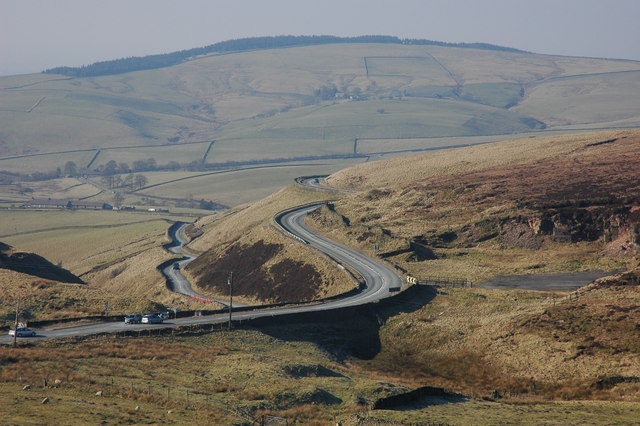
[567,281]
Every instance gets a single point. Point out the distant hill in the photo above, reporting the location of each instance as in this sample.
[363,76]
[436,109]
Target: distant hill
[119,66]
[321,102]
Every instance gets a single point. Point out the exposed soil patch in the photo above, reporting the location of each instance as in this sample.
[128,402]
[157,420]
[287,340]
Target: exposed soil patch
[318,396]
[298,371]
[612,381]
[418,399]
[283,281]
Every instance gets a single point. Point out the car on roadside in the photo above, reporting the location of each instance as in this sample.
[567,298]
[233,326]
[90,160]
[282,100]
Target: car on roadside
[22,332]
[152,319]
[133,319]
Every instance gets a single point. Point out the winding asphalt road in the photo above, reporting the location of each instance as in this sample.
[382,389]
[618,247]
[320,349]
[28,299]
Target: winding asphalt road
[177,281]
[380,282]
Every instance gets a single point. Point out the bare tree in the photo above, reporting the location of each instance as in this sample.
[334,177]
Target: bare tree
[140,181]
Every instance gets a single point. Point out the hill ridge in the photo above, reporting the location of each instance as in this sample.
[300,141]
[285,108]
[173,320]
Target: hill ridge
[147,62]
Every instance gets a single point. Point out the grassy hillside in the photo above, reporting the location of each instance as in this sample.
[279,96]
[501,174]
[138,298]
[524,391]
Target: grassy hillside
[504,356]
[520,344]
[555,204]
[268,267]
[194,101]
[513,357]
[114,254]
[303,103]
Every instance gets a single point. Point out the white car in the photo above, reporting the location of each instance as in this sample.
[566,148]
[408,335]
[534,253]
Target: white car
[22,332]
[152,319]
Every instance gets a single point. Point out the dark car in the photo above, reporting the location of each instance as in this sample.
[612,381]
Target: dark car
[133,319]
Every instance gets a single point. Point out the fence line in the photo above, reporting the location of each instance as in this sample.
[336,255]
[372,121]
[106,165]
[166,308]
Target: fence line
[186,398]
[441,281]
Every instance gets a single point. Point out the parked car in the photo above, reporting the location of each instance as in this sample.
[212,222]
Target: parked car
[152,319]
[133,319]
[176,266]
[22,332]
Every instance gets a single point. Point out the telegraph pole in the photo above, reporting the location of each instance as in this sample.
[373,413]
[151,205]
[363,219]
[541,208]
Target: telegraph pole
[230,283]
[15,328]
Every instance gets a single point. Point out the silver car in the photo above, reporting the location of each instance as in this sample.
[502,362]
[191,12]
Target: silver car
[152,319]
[22,332]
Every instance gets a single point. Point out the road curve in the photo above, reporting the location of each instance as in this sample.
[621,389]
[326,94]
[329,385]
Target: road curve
[380,282]
[177,282]
[379,278]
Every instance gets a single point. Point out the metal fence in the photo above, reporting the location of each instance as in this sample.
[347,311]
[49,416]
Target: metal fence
[441,281]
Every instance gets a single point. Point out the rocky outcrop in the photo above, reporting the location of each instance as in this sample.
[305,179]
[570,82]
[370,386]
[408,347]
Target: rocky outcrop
[571,225]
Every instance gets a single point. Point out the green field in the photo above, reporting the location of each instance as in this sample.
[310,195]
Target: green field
[184,154]
[264,106]
[603,100]
[424,67]
[45,162]
[81,239]
[17,222]
[213,97]
[235,187]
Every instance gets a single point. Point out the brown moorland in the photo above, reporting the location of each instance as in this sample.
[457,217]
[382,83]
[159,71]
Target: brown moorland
[558,204]
[521,345]
[522,353]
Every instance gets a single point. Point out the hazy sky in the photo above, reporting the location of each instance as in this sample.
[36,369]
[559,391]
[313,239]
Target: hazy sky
[40,34]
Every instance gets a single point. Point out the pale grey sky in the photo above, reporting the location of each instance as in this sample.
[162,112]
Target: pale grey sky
[40,34]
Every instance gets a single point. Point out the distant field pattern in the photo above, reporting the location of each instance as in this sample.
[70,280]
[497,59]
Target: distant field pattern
[418,67]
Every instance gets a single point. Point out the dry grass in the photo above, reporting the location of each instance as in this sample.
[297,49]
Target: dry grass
[393,173]
[44,299]
[492,413]
[225,378]
[247,225]
[482,194]
[120,269]
[232,224]
[231,375]
[537,345]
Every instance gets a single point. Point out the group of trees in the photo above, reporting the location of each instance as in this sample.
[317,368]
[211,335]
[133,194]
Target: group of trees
[119,66]
[129,181]
[113,168]
[326,92]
